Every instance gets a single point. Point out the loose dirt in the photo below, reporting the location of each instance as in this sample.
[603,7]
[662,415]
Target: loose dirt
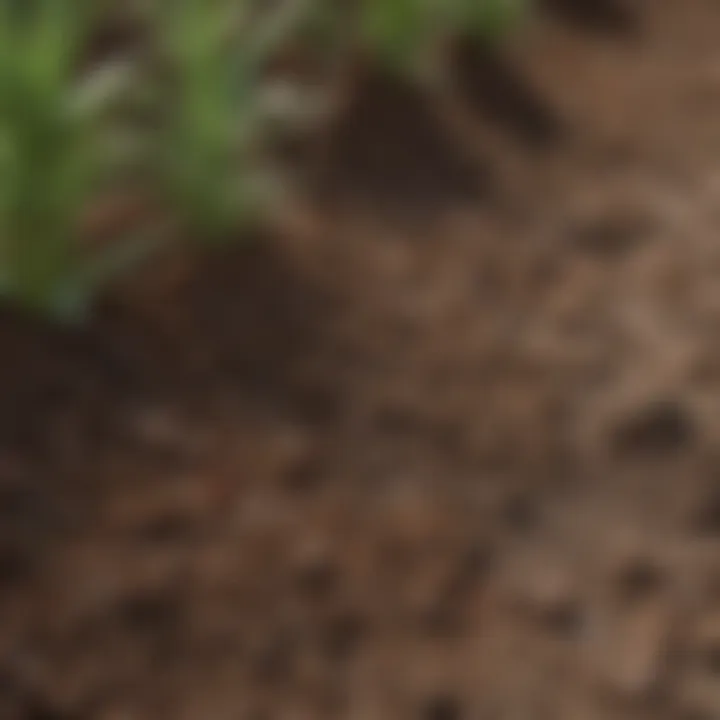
[446,448]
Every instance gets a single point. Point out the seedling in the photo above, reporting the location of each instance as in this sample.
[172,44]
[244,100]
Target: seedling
[53,157]
[214,131]
[411,37]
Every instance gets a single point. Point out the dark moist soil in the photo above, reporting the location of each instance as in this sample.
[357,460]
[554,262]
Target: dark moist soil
[444,449]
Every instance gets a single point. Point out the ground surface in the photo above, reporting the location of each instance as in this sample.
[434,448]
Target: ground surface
[449,449]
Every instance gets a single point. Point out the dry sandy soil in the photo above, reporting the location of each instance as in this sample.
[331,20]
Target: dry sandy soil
[447,449]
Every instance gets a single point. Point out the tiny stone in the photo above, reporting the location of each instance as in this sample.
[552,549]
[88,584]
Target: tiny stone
[634,650]
[542,585]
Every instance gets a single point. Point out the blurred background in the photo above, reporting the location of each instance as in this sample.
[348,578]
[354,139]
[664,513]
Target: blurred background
[360,360]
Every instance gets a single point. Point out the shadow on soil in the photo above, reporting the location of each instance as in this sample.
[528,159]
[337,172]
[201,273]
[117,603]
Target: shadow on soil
[243,326]
[607,17]
[500,94]
[390,152]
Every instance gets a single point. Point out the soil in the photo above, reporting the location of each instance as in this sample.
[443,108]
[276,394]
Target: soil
[444,448]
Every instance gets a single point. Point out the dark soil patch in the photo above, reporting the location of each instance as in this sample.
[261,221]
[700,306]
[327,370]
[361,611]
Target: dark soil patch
[390,153]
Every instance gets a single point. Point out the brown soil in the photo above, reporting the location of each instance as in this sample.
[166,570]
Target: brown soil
[446,449]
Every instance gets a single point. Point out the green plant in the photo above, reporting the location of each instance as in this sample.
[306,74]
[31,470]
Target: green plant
[410,36]
[218,108]
[489,19]
[205,146]
[54,157]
